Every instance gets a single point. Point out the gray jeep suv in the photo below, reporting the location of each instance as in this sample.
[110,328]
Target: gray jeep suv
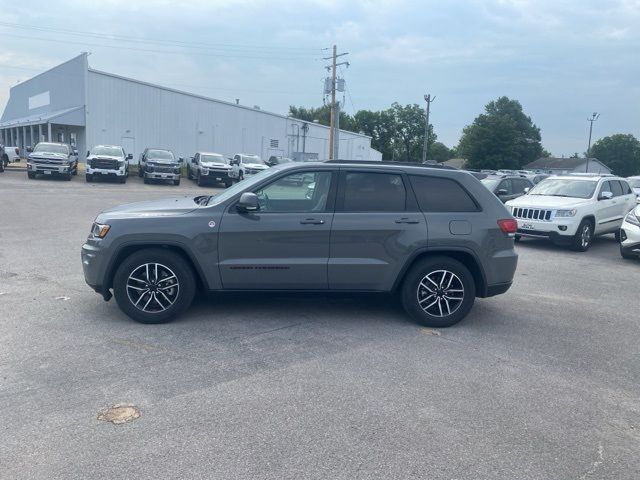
[436,236]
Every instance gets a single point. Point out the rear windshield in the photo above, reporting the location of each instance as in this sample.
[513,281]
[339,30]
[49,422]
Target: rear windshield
[108,151]
[160,154]
[51,148]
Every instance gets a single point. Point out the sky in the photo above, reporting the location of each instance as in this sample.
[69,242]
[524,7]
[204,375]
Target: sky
[563,60]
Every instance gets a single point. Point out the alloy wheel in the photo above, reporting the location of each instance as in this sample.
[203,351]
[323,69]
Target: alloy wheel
[440,293]
[153,287]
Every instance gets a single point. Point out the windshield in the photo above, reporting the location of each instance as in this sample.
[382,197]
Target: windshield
[252,159]
[490,183]
[565,187]
[108,151]
[51,148]
[160,155]
[241,186]
[212,159]
[635,183]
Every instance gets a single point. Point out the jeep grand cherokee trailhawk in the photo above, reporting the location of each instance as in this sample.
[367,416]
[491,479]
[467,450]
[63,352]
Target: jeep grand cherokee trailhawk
[435,235]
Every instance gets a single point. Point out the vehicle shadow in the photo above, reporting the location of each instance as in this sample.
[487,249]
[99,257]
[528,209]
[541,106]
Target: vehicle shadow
[600,244]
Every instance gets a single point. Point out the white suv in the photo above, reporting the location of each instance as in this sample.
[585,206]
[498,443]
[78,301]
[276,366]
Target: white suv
[630,235]
[572,209]
[243,166]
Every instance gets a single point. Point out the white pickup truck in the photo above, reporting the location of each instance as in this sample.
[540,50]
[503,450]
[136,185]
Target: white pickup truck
[9,154]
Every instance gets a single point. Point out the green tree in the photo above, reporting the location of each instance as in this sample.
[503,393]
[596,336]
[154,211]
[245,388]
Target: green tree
[439,152]
[323,116]
[408,128]
[620,152]
[379,126]
[502,137]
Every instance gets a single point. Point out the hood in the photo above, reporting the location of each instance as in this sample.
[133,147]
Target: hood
[104,157]
[61,156]
[547,201]
[257,166]
[153,208]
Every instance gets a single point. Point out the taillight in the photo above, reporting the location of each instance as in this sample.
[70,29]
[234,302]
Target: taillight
[508,226]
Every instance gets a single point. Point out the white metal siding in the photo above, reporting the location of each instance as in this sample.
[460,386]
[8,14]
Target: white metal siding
[123,111]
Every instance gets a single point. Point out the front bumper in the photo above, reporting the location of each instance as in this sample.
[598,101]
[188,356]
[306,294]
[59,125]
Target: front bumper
[48,168]
[121,172]
[162,176]
[556,230]
[93,266]
[216,175]
[630,239]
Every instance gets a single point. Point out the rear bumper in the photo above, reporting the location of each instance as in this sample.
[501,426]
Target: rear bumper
[497,289]
[555,237]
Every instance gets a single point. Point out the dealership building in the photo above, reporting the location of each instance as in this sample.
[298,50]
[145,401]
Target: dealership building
[75,104]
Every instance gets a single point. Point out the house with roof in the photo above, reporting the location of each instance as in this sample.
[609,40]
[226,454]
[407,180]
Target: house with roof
[553,165]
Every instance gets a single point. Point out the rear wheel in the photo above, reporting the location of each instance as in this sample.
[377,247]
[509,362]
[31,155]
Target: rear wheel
[438,292]
[154,286]
[583,237]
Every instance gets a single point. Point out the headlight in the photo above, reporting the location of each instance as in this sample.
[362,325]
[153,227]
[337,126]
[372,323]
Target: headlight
[100,230]
[632,218]
[205,171]
[566,213]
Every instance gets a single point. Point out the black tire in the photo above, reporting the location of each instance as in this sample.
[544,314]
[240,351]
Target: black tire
[199,180]
[617,236]
[123,179]
[5,160]
[173,263]
[176,182]
[517,238]
[140,173]
[584,236]
[625,255]
[228,183]
[75,170]
[88,177]
[67,176]
[31,175]
[189,174]
[146,181]
[2,166]
[414,292]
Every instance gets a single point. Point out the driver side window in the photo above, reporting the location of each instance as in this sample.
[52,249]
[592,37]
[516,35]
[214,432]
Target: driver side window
[297,192]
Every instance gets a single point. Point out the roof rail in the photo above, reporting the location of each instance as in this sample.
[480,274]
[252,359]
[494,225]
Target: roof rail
[589,174]
[403,164]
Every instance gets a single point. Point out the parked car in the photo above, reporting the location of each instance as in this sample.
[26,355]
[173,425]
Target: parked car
[634,183]
[159,164]
[206,167]
[3,159]
[572,209]
[507,187]
[9,154]
[536,178]
[630,234]
[277,160]
[243,166]
[369,234]
[107,161]
[51,159]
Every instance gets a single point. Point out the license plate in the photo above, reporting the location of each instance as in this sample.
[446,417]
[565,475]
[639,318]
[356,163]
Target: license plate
[47,172]
[526,226]
[218,179]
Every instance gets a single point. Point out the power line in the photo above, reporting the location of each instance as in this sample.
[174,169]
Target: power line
[170,52]
[168,42]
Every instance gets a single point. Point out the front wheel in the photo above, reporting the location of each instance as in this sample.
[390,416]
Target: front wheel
[31,175]
[176,182]
[617,236]
[88,177]
[583,237]
[154,286]
[438,292]
[123,179]
[228,183]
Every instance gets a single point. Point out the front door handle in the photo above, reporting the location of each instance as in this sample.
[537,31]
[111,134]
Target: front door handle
[406,220]
[311,221]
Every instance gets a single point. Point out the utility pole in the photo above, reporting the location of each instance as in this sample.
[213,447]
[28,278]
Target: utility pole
[333,148]
[592,119]
[425,148]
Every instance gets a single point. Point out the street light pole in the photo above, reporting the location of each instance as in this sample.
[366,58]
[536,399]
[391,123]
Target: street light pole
[425,148]
[593,118]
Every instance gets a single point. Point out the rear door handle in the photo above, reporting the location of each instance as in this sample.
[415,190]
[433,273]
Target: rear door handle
[406,220]
[311,221]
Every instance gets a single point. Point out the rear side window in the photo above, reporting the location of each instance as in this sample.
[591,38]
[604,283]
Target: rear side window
[374,192]
[626,189]
[519,185]
[435,194]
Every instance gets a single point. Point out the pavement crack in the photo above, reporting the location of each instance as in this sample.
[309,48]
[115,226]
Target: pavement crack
[596,464]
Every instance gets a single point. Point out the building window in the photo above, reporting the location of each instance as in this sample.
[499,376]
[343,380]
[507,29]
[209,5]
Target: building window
[73,139]
[60,137]
[274,143]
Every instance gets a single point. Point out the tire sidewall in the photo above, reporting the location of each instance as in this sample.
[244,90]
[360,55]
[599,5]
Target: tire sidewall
[418,272]
[173,261]
[577,241]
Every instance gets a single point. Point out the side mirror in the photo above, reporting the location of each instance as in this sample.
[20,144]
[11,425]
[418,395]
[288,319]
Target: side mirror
[130,156]
[502,191]
[526,190]
[180,160]
[192,159]
[248,202]
[605,196]
[75,152]
[29,149]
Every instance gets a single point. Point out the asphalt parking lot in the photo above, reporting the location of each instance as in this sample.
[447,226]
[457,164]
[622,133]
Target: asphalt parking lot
[540,383]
